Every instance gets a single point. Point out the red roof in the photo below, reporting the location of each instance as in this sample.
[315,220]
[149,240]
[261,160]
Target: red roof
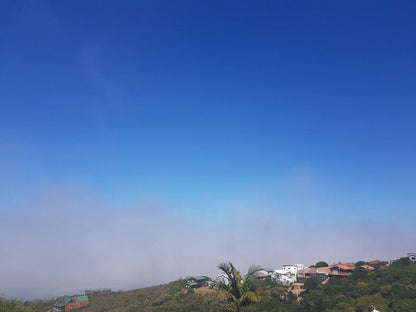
[343,266]
[308,270]
[324,270]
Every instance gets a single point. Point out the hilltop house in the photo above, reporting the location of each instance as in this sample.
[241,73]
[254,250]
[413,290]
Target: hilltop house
[197,281]
[66,303]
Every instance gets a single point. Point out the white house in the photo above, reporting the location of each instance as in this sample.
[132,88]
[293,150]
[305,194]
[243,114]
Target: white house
[287,274]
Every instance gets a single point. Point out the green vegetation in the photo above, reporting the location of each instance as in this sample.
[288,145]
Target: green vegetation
[321,264]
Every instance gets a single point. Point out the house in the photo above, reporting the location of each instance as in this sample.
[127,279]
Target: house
[341,270]
[284,277]
[288,274]
[197,281]
[262,274]
[66,303]
[321,273]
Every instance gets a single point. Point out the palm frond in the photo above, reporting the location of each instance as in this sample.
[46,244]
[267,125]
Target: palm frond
[233,276]
[227,269]
[253,269]
[219,285]
[248,297]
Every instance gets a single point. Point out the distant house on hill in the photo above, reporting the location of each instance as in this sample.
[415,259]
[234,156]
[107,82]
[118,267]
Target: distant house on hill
[197,281]
[66,303]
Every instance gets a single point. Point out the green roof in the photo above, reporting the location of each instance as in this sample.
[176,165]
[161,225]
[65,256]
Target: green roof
[64,300]
[198,278]
[192,284]
[82,298]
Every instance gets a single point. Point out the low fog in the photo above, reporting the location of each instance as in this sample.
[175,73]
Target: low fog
[63,243]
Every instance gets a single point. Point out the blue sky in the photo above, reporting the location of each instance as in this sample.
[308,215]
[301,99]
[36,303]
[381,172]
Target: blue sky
[295,111]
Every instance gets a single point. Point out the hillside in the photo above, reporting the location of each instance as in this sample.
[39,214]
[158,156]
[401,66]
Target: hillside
[389,289]
[169,297]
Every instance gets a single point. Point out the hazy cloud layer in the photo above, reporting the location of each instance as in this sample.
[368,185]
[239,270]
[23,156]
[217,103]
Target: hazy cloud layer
[65,242]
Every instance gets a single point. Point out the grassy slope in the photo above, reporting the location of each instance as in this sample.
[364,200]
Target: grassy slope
[169,297]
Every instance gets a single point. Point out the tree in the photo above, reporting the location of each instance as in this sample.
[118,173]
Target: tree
[321,264]
[360,263]
[311,284]
[238,290]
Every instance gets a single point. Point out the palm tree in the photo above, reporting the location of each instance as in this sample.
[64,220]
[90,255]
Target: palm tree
[240,291]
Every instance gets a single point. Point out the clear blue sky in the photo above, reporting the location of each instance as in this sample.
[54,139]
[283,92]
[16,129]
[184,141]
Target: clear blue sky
[212,108]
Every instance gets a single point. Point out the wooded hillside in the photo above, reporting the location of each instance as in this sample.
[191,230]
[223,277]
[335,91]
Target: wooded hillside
[389,289]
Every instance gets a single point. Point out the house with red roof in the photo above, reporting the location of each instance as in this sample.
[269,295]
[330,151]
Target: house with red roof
[321,273]
[341,269]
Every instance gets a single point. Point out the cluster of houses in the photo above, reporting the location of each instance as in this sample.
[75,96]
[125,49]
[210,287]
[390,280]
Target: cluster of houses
[291,273]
